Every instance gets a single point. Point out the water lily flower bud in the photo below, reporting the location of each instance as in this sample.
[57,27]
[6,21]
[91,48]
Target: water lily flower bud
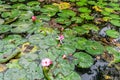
[46,62]
[33,18]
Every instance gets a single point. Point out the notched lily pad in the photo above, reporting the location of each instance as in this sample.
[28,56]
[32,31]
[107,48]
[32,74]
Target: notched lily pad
[94,48]
[83,60]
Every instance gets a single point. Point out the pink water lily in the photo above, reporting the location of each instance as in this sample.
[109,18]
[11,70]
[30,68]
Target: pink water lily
[46,62]
[61,37]
[33,18]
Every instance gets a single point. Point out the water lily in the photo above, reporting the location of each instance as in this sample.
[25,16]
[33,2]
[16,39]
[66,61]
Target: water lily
[33,18]
[46,62]
[60,38]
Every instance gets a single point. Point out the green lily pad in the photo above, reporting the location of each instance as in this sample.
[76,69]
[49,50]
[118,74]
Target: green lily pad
[20,6]
[112,33]
[73,76]
[83,60]
[85,28]
[115,22]
[5,14]
[33,3]
[4,7]
[26,15]
[14,13]
[81,3]
[80,43]
[90,27]
[86,16]
[14,39]
[65,21]
[66,13]
[84,10]
[35,39]
[77,19]
[64,67]
[80,30]
[4,28]
[44,17]
[110,10]
[49,8]
[14,73]
[21,26]
[94,48]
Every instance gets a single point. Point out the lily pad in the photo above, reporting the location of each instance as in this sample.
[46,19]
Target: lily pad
[4,28]
[94,48]
[83,60]
[84,10]
[66,13]
[26,15]
[73,76]
[80,43]
[20,6]
[21,26]
[112,33]
[33,3]
[115,22]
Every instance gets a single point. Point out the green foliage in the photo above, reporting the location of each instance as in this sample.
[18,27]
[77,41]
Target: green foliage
[25,43]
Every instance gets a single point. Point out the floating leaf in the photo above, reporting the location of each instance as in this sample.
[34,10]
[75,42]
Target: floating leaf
[112,33]
[84,9]
[13,64]
[86,16]
[26,15]
[83,60]
[4,28]
[67,13]
[73,76]
[80,43]
[20,6]
[77,19]
[94,48]
[49,8]
[4,7]
[115,22]
[65,21]
[109,10]
[33,3]
[21,26]
[81,3]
